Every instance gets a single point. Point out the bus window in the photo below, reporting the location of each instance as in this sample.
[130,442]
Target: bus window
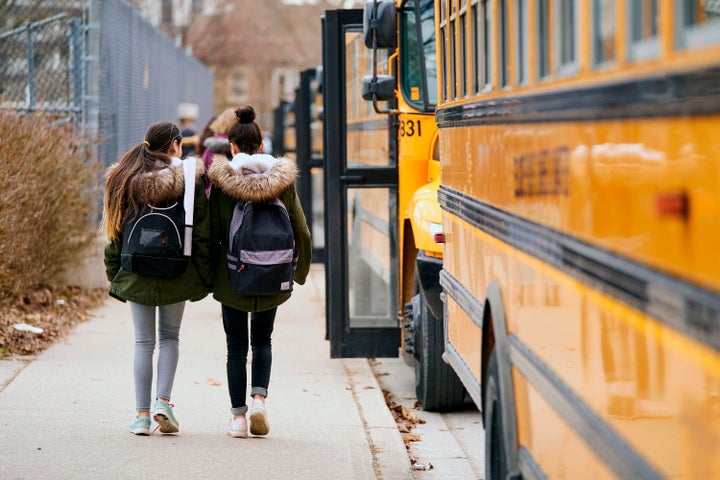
[700,23]
[603,40]
[443,53]
[475,61]
[503,54]
[482,53]
[566,45]
[521,46]
[452,77]
[644,29]
[463,48]
[419,83]
[543,40]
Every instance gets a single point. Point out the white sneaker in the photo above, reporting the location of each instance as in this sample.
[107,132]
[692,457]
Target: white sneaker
[238,428]
[258,419]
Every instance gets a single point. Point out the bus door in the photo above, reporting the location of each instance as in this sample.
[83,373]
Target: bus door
[360,199]
[308,147]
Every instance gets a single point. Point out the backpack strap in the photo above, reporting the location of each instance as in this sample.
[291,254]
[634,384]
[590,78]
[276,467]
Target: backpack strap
[189,167]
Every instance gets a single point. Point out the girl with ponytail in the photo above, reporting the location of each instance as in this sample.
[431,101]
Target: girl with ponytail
[151,174]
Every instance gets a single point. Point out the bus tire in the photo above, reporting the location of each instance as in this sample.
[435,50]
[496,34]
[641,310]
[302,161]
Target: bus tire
[495,459]
[437,386]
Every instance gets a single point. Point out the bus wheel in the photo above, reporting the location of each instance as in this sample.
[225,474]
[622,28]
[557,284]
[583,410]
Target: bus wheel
[437,386]
[495,459]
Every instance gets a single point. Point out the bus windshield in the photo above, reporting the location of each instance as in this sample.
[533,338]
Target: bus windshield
[419,80]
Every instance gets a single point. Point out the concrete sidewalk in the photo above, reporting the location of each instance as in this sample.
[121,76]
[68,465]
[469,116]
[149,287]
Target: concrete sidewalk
[66,413]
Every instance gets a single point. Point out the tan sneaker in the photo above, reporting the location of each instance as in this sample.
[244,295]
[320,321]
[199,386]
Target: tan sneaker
[163,415]
[258,419]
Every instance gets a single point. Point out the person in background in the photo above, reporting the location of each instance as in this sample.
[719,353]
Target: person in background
[188,112]
[217,143]
[202,136]
[151,173]
[251,176]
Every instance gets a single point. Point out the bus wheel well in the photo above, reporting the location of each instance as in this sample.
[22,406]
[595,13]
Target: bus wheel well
[488,344]
[409,254]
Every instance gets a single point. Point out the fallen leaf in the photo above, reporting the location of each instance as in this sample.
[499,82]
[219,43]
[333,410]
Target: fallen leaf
[410,437]
[214,382]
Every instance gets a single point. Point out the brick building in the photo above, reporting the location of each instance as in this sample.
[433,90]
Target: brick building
[256,48]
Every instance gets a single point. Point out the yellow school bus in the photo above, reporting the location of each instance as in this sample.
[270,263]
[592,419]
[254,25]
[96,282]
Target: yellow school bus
[382,175]
[580,193]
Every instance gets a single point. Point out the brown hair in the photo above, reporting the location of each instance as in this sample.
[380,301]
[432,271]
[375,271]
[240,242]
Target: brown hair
[222,123]
[122,197]
[246,134]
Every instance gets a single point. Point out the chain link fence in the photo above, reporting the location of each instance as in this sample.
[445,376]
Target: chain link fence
[98,65]
[41,58]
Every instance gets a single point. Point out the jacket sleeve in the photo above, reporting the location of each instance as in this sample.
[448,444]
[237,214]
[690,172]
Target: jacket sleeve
[303,242]
[112,259]
[201,235]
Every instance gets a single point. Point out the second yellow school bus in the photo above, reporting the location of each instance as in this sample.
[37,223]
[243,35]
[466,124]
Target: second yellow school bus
[580,190]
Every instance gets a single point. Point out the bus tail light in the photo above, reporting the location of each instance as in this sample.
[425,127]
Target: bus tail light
[672,203]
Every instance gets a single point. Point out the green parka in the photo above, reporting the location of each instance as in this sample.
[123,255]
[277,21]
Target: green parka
[196,282]
[256,177]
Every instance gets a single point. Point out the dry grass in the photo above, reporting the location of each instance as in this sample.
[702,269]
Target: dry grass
[48,201]
[48,211]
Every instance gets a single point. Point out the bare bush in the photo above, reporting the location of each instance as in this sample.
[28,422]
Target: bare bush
[48,201]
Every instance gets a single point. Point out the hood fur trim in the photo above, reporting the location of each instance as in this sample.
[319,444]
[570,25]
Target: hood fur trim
[166,183]
[254,178]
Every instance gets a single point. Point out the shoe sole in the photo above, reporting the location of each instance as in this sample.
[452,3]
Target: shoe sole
[238,434]
[142,433]
[166,426]
[259,424]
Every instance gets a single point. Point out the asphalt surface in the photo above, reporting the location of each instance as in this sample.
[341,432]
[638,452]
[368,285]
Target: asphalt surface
[65,413]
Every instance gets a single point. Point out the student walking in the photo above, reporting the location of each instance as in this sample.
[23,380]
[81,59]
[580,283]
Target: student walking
[251,177]
[151,265]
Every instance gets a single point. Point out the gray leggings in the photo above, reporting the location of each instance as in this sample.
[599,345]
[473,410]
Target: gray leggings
[170,317]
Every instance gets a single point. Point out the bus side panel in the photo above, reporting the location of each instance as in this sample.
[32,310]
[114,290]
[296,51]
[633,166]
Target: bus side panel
[465,337]
[555,446]
[604,183]
[657,388]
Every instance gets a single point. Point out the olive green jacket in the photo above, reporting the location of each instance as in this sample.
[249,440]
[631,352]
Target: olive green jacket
[255,178]
[196,282]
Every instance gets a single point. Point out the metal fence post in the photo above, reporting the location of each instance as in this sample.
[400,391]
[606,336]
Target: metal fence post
[31,69]
[76,71]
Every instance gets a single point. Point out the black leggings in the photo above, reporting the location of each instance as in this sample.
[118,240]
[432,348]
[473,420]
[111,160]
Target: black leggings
[236,333]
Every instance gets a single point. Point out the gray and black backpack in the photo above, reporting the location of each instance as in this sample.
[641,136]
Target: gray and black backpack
[261,255]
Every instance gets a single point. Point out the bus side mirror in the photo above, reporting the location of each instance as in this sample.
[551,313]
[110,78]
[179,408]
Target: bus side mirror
[379,16]
[379,88]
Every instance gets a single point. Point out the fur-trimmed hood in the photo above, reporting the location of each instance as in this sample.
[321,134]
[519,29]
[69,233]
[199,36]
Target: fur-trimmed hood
[254,178]
[166,183]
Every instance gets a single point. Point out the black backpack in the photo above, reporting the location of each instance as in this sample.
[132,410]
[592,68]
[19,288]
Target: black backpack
[261,255]
[157,242]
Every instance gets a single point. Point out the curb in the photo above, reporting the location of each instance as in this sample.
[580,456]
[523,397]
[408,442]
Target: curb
[389,456]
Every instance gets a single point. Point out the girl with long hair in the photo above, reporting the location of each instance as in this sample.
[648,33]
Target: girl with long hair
[151,174]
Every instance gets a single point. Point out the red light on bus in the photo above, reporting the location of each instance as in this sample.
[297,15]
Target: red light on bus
[672,203]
